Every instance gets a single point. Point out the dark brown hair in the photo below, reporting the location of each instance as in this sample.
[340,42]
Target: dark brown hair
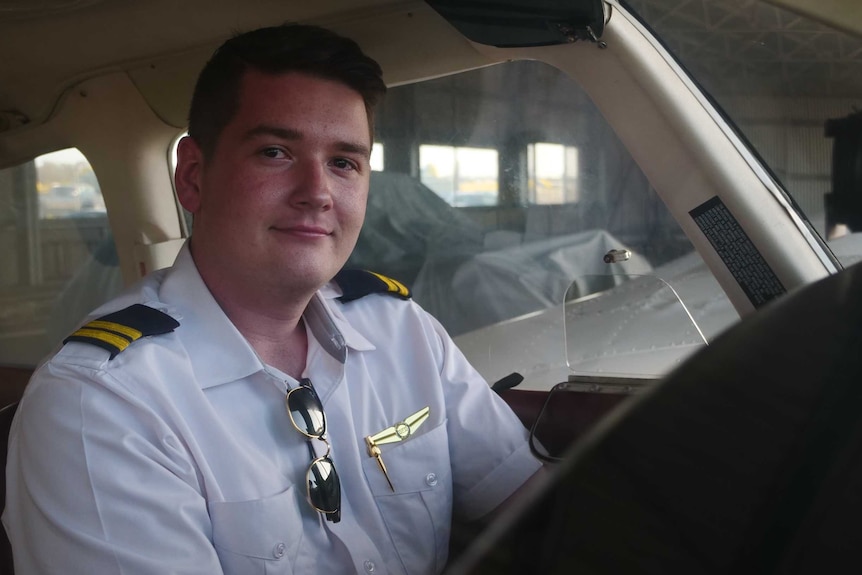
[276,50]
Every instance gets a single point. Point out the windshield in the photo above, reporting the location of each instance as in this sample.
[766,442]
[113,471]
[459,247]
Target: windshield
[787,83]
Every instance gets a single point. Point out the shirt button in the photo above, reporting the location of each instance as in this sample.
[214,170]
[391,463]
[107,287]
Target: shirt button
[278,551]
[369,566]
[431,479]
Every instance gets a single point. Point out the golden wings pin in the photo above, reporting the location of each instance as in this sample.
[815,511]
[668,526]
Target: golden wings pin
[398,432]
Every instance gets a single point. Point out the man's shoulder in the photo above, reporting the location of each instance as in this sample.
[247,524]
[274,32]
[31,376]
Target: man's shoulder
[115,326]
[116,331]
[355,284]
[382,309]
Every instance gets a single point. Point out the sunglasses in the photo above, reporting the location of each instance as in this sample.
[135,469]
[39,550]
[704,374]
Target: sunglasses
[306,415]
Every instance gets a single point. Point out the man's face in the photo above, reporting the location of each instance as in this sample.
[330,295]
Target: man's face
[280,202]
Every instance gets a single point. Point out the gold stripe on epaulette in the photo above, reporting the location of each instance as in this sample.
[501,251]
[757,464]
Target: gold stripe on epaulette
[127,331]
[119,342]
[394,286]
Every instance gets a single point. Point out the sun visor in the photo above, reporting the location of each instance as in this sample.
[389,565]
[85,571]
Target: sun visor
[520,23]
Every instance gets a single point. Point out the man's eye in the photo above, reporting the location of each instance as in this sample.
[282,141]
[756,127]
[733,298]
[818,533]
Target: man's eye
[343,164]
[273,153]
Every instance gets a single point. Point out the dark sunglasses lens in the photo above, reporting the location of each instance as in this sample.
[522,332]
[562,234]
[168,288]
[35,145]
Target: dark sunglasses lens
[306,412]
[324,487]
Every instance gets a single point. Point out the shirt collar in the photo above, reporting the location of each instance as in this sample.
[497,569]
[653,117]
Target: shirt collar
[217,351]
[353,338]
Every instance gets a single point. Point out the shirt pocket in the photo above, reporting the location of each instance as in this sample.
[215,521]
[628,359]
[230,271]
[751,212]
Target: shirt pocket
[418,514]
[260,536]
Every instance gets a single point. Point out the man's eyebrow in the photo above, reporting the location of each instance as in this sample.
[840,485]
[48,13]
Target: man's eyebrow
[291,134]
[353,148]
[266,130]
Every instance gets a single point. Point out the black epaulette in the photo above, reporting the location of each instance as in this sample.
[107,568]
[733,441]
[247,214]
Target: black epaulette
[116,331]
[355,284]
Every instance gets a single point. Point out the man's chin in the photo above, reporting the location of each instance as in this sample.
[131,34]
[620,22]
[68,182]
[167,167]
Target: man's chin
[309,279]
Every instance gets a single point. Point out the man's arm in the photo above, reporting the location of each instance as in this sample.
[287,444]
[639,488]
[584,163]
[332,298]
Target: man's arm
[523,493]
[98,483]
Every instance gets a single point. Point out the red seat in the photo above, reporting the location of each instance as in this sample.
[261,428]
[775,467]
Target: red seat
[6,416]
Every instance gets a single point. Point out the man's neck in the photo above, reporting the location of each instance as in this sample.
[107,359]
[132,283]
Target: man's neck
[276,332]
[288,355]
[271,322]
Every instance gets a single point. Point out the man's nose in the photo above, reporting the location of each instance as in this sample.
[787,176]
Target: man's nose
[311,186]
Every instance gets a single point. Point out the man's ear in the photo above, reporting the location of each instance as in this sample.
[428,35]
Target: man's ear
[189,174]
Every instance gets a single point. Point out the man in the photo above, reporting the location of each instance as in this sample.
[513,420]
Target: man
[158,440]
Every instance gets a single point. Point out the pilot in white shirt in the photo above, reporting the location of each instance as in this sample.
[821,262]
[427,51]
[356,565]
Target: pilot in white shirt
[239,412]
[188,462]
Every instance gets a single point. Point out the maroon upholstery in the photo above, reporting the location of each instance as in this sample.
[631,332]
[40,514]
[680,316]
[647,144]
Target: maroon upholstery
[6,415]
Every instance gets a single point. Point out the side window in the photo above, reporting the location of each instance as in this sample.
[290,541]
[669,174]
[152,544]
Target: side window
[461,176]
[552,173]
[377,157]
[791,85]
[57,253]
[494,201]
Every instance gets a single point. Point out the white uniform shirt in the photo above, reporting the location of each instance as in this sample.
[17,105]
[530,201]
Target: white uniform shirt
[178,456]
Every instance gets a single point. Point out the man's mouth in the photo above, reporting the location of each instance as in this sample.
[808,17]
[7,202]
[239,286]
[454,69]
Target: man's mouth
[303,230]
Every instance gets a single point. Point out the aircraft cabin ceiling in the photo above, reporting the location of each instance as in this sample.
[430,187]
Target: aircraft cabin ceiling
[68,41]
